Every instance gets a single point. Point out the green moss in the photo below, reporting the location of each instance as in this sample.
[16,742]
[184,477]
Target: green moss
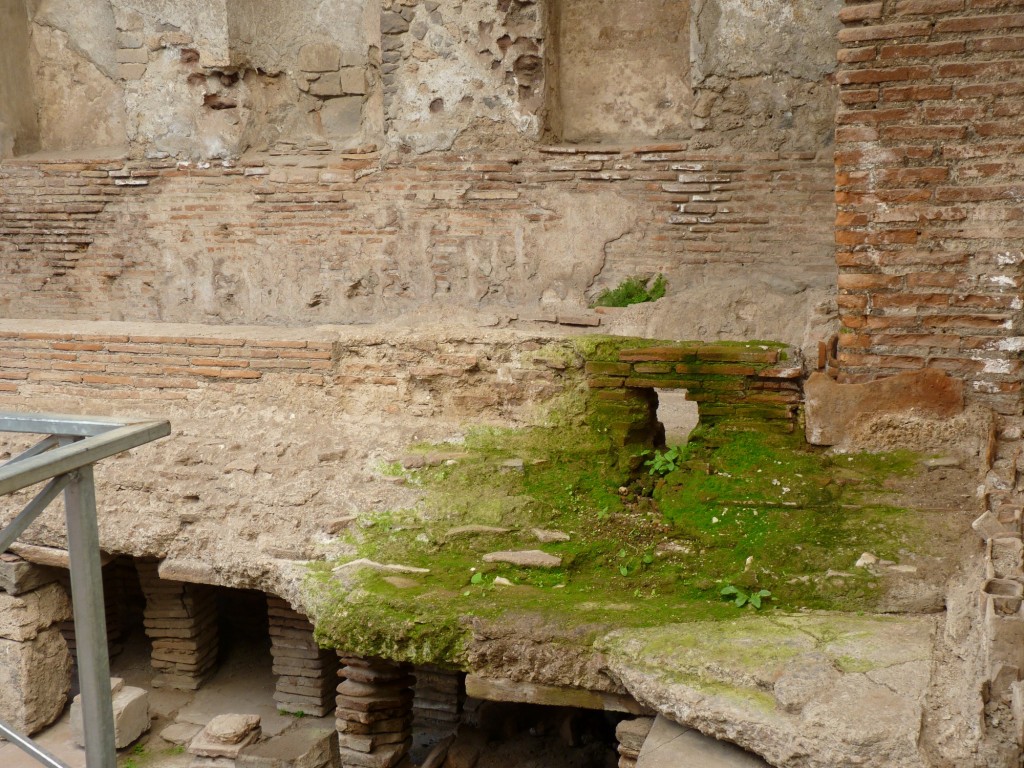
[744,507]
[633,290]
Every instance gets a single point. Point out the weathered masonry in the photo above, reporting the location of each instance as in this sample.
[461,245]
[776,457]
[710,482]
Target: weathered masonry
[328,240]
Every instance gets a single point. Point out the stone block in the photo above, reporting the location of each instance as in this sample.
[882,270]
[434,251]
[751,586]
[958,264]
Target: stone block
[25,616]
[35,676]
[131,71]
[297,748]
[319,57]
[133,56]
[328,84]
[225,736]
[353,81]
[18,575]
[342,117]
[131,714]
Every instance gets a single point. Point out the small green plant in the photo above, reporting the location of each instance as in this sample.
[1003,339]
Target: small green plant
[478,578]
[177,749]
[663,463]
[632,290]
[741,598]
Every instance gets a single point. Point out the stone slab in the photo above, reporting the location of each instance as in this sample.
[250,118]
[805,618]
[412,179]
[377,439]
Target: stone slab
[297,748]
[18,575]
[494,689]
[670,745]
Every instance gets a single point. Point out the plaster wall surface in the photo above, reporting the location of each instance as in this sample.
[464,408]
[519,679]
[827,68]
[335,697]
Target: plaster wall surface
[19,130]
[623,69]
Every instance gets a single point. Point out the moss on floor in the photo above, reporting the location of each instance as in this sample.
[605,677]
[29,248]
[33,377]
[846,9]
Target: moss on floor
[755,510]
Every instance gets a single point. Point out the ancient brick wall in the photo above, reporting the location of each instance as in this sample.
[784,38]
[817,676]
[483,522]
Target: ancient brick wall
[296,239]
[928,192]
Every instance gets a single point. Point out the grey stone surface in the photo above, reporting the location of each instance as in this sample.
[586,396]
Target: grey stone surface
[818,690]
[670,745]
[180,733]
[297,748]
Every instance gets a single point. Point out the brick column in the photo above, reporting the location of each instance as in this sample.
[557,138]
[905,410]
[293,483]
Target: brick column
[181,621]
[112,604]
[306,673]
[439,696]
[374,714]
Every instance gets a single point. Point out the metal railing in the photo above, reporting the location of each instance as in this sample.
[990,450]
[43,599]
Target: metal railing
[65,458]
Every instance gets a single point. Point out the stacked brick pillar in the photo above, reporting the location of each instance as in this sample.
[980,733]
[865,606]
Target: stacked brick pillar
[439,696]
[112,603]
[306,674]
[181,621]
[374,714]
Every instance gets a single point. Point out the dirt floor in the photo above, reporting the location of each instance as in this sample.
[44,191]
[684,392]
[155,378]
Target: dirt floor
[243,684]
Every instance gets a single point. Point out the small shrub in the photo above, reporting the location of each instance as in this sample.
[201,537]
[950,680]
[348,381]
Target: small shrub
[666,462]
[740,598]
[632,290]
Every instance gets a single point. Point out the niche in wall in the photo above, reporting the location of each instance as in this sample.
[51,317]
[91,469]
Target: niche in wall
[19,128]
[58,77]
[620,71]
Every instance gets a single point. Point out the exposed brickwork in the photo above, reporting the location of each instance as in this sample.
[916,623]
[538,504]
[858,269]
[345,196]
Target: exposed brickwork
[928,193]
[374,715]
[750,382]
[92,240]
[439,697]
[181,622]
[421,376]
[306,674]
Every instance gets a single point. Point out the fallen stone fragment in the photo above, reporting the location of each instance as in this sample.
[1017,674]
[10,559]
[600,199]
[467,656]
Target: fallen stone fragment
[180,733]
[231,729]
[530,558]
[865,560]
[474,530]
[548,536]
[501,581]
[363,562]
[131,714]
[226,736]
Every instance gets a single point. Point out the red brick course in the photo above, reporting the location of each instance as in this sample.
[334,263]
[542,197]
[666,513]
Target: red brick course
[928,191]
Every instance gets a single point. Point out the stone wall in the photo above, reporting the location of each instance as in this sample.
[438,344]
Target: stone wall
[744,240]
[387,157]
[35,665]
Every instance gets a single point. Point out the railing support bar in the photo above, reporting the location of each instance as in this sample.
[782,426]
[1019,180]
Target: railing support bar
[31,511]
[41,447]
[29,747]
[90,619]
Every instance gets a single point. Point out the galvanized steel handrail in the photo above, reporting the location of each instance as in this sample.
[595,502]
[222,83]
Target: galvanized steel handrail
[65,457]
